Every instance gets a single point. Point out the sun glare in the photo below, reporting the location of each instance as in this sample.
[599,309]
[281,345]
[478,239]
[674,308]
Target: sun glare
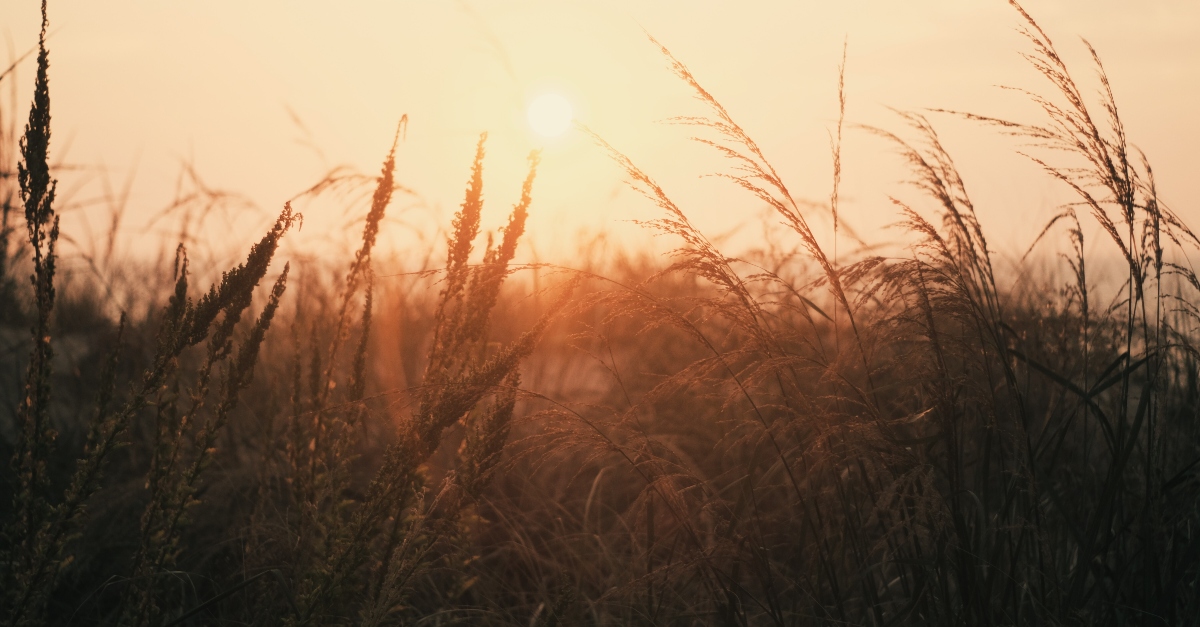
[549,115]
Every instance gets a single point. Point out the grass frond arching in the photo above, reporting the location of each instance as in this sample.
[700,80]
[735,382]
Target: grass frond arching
[797,434]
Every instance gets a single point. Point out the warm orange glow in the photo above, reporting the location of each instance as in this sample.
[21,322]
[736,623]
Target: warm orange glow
[631,311]
[140,87]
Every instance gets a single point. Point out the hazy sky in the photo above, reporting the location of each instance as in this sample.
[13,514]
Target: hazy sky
[147,85]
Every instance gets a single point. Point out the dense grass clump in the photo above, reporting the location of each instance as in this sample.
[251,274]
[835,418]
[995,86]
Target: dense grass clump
[786,437]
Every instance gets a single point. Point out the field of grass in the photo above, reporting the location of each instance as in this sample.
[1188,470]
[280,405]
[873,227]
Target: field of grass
[787,436]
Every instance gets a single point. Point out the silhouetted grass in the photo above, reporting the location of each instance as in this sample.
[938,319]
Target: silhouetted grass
[779,438]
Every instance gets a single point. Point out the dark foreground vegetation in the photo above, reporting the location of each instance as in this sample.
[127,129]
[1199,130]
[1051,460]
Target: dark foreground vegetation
[784,438]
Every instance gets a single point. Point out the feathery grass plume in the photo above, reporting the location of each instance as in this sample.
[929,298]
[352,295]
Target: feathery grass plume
[174,473]
[183,324]
[955,306]
[360,272]
[1054,459]
[703,447]
[361,265]
[964,248]
[950,493]
[464,229]
[763,370]
[323,440]
[835,146]
[348,542]
[31,505]
[487,277]
[458,376]
[757,175]
[409,551]
[1120,195]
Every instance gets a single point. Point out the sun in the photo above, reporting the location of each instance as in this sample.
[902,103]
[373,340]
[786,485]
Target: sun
[549,115]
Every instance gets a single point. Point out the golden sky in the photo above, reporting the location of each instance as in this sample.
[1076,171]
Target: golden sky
[146,85]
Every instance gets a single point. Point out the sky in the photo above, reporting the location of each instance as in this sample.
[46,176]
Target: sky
[263,98]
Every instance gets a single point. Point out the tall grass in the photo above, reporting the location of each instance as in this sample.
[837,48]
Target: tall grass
[790,436]
[972,455]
